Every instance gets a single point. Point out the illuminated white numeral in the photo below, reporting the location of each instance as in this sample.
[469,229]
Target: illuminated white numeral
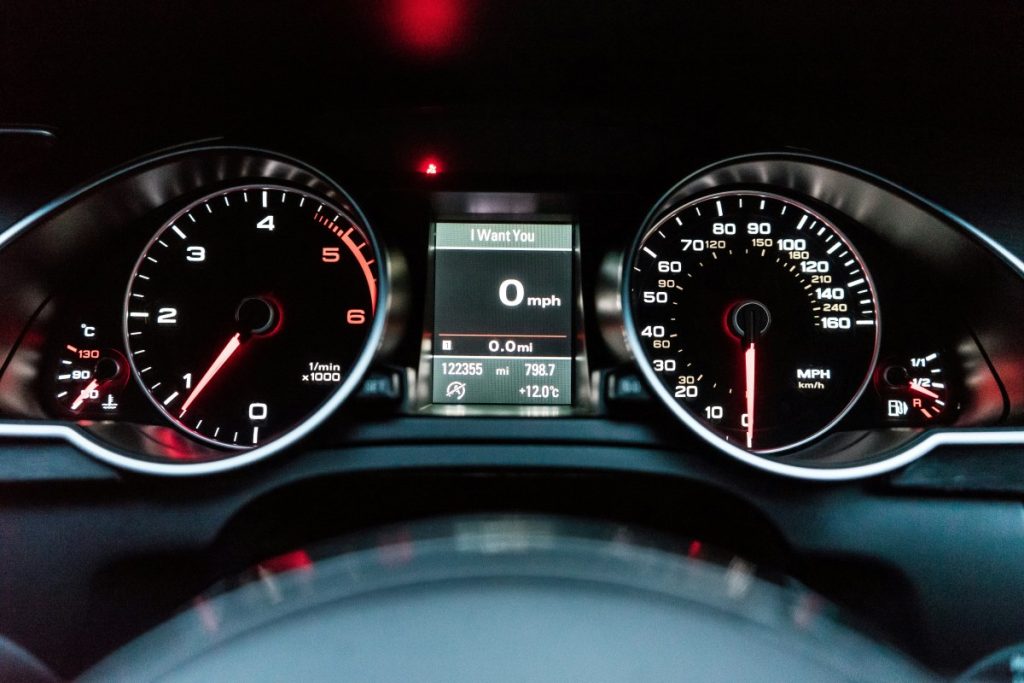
[833,293]
[167,316]
[655,297]
[714,412]
[188,380]
[814,266]
[759,228]
[665,365]
[653,331]
[511,292]
[257,411]
[723,228]
[693,245]
[689,391]
[266,224]
[792,244]
[670,266]
[196,254]
[835,323]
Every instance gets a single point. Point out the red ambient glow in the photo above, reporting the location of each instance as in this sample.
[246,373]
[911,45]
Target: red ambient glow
[428,27]
[297,559]
[430,166]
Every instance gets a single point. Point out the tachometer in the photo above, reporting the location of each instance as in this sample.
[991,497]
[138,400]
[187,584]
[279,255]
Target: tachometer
[753,317]
[248,310]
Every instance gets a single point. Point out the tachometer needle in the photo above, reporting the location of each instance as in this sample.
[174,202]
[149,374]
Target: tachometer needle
[89,388]
[751,360]
[221,359]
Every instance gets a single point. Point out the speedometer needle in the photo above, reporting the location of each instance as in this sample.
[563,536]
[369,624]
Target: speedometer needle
[225,354]
[750,359]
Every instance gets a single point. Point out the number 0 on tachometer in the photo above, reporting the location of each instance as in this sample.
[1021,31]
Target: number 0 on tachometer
[248,310]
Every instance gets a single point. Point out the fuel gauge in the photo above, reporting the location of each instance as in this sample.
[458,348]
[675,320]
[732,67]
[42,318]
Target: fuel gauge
[914,390]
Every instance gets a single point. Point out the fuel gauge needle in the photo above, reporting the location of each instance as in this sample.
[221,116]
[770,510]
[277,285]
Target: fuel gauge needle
[914,386]
[750,359]
[226,353]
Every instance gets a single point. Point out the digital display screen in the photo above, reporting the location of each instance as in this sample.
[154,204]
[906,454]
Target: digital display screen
[503,297]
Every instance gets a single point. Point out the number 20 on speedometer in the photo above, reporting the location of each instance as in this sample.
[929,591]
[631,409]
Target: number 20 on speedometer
[753,317]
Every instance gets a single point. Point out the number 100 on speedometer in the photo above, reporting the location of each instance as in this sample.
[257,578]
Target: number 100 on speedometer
[753,317]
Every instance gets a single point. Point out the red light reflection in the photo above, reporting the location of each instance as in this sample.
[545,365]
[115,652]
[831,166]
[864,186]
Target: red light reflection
[428,27]
[297,559]
[430,166]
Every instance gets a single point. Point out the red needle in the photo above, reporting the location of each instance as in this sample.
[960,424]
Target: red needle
[84,394]
[750,359]
[914,386]
[225,354]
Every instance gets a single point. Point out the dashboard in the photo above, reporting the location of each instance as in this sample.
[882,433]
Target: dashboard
[243,308]
[474,279]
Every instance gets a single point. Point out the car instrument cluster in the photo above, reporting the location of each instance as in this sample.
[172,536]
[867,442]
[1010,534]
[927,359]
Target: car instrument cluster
[794,313]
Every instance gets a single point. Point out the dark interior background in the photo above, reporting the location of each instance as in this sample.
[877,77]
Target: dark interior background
[619,100]
[927,93]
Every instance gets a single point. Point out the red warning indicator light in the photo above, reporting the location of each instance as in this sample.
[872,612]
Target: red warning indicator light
[430,166]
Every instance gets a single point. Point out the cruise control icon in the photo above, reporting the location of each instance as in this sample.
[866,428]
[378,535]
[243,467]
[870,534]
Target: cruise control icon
[456,390]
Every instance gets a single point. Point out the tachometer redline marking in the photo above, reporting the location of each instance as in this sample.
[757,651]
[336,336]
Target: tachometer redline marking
[371,283]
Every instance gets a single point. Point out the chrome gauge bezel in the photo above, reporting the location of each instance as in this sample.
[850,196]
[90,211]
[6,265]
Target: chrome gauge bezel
[102,210]
[868,200]
[162,231]
[162,180]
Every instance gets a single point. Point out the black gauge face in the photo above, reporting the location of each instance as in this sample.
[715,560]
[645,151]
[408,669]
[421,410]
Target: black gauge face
[756,316]
[247,311]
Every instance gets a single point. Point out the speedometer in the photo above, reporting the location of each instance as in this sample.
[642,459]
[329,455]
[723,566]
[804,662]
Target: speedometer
[753,317]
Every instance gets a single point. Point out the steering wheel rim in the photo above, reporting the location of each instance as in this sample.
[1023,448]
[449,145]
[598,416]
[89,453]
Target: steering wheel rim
[506,598]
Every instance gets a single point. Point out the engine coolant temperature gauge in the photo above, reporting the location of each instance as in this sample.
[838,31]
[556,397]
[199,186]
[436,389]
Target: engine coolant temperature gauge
[89,380]
[914,390]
